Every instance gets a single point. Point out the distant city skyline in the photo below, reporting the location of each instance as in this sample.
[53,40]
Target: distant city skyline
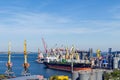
[82,23]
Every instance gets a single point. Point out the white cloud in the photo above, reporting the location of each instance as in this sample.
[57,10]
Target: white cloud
[115,12]
[43,23]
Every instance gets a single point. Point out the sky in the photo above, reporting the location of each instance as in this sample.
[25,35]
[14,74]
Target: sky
[62,23]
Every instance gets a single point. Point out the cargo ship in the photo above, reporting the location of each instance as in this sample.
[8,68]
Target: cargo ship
[69,61]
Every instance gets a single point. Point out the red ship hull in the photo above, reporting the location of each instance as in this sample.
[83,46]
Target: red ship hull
[67,67]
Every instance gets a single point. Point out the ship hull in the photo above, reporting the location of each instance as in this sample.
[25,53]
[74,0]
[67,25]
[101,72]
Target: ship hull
[40,61]
[67,66]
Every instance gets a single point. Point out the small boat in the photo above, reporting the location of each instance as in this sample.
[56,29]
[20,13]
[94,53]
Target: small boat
[40,60]
[40,57]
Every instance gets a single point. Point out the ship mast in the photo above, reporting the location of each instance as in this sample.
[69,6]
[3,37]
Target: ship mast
[38,53]
[26,64]
[72,52]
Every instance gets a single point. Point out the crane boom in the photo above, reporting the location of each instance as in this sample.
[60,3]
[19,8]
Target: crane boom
[25,52]
[9,52]
[45,46]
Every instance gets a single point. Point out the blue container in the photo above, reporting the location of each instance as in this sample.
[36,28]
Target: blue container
[110,62]
[104,61]
[110,50]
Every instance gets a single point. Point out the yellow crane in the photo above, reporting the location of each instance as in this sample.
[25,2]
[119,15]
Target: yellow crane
[25,64]
[9,71]
[98,53]
[67,54]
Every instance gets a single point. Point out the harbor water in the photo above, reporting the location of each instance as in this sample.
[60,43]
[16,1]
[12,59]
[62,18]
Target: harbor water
[35,68]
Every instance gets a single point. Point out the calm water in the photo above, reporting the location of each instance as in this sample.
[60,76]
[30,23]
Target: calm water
[35,68]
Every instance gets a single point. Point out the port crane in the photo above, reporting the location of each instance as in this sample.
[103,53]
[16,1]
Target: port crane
[26,65]
[9,72]
[45,46]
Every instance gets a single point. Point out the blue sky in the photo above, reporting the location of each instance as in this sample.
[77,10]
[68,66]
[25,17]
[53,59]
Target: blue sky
[84,23]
